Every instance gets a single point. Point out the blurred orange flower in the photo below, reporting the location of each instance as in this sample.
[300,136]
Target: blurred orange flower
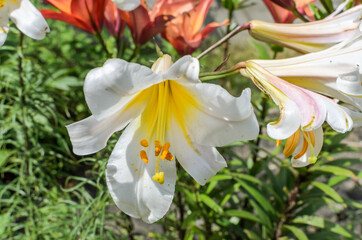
[84,14]
[282,15]
[112,19]
[145,23]
[184,33]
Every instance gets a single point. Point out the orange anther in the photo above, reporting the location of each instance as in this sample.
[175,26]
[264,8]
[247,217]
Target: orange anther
[165,149]
[169,156]
[158,147]
[144,157]
[144,143]
[278,142]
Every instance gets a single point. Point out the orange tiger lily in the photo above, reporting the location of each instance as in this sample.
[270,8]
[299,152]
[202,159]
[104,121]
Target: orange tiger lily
[83,14]
[145,23]
[282,15]
[184,32]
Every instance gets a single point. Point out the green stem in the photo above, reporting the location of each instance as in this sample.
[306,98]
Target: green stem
[228,30]
[135,53]
[236,30]
[299,15]
[23,102]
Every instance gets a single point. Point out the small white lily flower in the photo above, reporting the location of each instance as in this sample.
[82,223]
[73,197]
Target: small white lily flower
[169,114]
[312,36]
[129,5]
[335,72]
[25,16]
[302,113]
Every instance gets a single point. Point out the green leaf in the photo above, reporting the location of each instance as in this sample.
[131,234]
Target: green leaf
[322,223]
[258,196]
[261,49]
[333,169]
[210,203]
[243,214]
[296,231]
[329,191]
[251,235]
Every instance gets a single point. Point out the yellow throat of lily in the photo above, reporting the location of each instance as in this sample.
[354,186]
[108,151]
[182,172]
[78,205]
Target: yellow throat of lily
[166,100]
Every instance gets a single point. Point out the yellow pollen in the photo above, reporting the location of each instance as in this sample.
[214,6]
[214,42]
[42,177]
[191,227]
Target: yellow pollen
[144,143]
[165,149]
[278,142]
[159,177]
[144,157]
[169,156]
[158,147]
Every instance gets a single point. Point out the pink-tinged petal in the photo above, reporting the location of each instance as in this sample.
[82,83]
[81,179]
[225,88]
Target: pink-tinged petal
[312,112]
[129,179]
[110,88]
[67,18]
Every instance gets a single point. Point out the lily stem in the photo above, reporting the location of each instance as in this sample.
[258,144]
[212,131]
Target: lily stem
[23,101]
[299,15]
[236,30]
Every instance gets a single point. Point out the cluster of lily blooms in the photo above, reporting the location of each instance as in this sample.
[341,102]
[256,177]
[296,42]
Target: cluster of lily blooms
[167,113]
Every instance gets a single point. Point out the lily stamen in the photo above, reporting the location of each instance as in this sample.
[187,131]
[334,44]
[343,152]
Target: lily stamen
[144,157]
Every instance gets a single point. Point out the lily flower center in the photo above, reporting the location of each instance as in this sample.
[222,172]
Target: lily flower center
[293,141]
[166,100]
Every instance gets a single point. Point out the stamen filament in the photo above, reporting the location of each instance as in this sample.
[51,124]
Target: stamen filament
[312,159]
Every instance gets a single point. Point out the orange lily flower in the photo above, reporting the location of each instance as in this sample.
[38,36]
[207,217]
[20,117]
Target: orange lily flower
[282,15]
[112,20]
[145,23]
[83,14]
[184,33]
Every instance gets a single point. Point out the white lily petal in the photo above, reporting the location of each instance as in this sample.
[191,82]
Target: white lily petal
[355,115]
[130,182]
[199,161]
[337,118]
[303,160]
[350,83]
[4,24]
[29,20]
[288,122]
[185,69]
[127,5]
[91,135]
[110,88]
[220,118]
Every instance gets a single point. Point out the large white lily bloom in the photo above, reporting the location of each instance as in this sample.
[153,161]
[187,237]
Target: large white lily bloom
[334,72]
[169,113]
[25,16]
[129,5]
[302,112]
[312,36]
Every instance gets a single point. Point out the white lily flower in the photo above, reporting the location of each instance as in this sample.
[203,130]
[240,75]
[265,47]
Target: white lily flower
[25,16]
[312,36]
[129,5]
[302,113]
[334,72]
[170,114]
